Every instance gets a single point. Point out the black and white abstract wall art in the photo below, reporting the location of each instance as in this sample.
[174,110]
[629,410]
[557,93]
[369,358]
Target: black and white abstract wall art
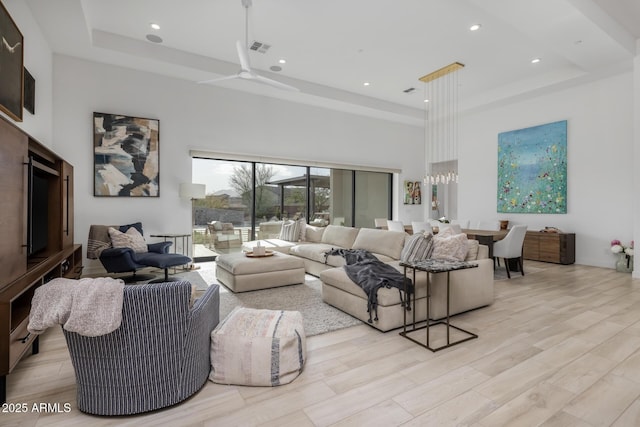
[126,156]
[11,62]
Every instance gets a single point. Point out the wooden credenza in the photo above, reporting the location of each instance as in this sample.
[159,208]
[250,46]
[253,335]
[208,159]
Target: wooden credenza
[559,248]
[37,245]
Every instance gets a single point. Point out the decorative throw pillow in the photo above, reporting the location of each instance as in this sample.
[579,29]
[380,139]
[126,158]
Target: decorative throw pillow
[217,225]
[302,225]
[137,225]
[418,247]
[451,247]
[290,231]
[313,233]
[131,239]
[474,247]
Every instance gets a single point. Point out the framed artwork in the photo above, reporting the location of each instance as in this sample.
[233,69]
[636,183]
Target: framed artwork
[412,193]
[126,156]
[11,62]
[532,169]
[29,92]
[435,204]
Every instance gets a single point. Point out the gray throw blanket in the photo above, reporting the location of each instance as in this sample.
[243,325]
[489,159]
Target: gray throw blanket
[99,240]
[371,274]
[90,307]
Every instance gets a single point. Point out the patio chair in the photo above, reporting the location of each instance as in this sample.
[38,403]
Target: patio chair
[223,235]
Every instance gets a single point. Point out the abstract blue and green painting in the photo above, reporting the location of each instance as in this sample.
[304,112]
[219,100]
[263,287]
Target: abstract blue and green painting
[532,169]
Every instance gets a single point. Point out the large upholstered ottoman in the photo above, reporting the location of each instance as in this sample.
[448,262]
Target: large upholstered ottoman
[241,273]
[258,347]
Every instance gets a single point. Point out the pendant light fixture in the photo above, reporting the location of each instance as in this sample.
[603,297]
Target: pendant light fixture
[441,97]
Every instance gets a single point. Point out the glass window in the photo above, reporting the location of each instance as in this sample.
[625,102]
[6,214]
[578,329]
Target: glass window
[222,221]
[341,201]
[320,196]
[281,194]
[250,200]
[372,197]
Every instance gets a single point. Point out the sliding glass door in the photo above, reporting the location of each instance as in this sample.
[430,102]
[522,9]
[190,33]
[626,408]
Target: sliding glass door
[281,194]
[250,200]
[372,197]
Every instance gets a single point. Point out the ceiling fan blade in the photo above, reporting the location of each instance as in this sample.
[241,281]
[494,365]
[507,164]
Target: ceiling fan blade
[274,83]
[243,56]
[219,79]
[245,69]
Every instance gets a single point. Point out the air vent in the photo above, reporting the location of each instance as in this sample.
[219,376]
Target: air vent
[410,90]
[259,47]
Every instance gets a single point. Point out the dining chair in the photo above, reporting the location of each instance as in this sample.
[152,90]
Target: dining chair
[511,247]
[380,222]
[488,225]
[421,227]
[455,227]
[395,225]
[435,223]
[463,223]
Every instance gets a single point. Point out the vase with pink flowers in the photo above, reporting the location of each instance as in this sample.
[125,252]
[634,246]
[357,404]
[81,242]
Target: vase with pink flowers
[624,264]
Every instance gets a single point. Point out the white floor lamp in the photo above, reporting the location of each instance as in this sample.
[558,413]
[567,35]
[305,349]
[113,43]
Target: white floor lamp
[191,191]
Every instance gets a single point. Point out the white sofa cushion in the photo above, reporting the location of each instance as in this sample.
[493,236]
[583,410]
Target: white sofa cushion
[272,244]
[382,242]
[316,252]
[340,236]
[313,233]
[473,248]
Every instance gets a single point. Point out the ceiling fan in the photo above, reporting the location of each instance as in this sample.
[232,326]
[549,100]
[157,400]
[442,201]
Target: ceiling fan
[246,72]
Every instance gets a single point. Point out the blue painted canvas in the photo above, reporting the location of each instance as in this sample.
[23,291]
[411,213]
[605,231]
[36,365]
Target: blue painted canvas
[532,169]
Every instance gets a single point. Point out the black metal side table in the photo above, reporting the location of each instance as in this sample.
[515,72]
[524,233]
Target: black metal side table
[434,266]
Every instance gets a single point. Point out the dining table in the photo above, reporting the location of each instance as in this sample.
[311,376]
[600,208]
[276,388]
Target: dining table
[485,237]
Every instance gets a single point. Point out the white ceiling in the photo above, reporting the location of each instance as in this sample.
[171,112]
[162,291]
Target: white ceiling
[333,46]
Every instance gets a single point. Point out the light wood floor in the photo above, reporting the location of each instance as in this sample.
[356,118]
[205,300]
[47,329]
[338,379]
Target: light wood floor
[560,347]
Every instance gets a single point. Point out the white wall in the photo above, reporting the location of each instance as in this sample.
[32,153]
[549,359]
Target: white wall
[208,118]
[601,143]
[38,60]
[636,155]
[599,161]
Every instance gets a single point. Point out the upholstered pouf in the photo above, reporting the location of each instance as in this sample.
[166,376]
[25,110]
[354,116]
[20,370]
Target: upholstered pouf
[258,347]
[241,273]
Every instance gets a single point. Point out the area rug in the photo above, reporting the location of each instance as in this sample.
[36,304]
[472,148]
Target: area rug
[306,298]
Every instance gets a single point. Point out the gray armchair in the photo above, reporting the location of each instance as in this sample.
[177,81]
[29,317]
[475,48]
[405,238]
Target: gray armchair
[159,356]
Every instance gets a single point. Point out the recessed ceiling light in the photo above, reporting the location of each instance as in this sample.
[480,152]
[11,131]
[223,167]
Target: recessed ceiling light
[282,61]
[475,27]
[535,60]
[367,83]
[426,100]
[154,26]
[275,68]
[153,38]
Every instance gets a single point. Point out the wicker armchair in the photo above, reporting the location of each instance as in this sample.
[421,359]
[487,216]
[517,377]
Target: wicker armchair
[223,235]
[158,357]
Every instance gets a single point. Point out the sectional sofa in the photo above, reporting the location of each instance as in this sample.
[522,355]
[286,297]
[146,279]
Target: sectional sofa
[470,288]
